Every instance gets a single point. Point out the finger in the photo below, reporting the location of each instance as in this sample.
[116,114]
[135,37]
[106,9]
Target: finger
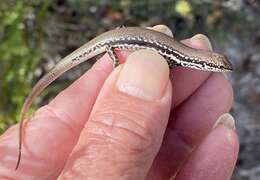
[190,123]
[54,129]
[163,29]
[187,80]
[215,158]
[127,123]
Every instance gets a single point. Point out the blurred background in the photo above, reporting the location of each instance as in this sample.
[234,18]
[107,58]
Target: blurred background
[35,34]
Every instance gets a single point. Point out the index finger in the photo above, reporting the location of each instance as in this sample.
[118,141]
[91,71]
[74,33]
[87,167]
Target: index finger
[54,129]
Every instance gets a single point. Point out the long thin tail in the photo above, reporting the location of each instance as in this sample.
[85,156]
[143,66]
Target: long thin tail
[63,66]
[37,89]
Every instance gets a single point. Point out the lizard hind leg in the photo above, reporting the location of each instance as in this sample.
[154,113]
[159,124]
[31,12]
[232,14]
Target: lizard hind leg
[113,56]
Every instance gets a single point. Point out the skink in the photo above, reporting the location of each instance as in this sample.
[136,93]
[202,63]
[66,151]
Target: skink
[127,38]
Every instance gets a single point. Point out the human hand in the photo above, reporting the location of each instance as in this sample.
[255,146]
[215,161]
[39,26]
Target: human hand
[132,124]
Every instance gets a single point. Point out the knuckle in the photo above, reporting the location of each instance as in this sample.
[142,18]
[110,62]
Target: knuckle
[61,117]
[126,128]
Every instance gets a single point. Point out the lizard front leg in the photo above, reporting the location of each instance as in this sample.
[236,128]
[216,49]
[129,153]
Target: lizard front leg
[113,56]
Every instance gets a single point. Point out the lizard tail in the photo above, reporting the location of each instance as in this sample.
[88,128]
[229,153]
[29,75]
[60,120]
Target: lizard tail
[63,66]
[37,89]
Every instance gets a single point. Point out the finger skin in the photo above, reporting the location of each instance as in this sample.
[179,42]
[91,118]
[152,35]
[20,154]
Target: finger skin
[187,80]
[214,159]
[54,128]
[190,123]
[122,135]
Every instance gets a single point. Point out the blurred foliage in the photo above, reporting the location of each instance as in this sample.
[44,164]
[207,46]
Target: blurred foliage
[35,31]
[183,8]
[19,55]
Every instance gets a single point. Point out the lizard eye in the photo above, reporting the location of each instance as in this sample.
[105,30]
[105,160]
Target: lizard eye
[222,61]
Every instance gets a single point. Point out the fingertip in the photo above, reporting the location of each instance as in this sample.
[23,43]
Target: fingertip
[135,78]
[227,142]
[163,29]
[215,158]
[227,120]
[199,41]
[229,136]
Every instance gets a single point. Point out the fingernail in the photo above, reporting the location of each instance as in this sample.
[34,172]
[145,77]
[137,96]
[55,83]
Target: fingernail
[163,29]
[204,39]
[226,120]
[144,75]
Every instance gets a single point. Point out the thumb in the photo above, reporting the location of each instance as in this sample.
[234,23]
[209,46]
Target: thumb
[127,123]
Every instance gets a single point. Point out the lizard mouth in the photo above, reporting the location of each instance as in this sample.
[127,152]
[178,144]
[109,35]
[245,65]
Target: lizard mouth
[226,64]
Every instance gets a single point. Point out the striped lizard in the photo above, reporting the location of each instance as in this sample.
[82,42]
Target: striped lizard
[127,38]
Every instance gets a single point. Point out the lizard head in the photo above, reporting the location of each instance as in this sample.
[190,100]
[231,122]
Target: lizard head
[209,61]
[219,62]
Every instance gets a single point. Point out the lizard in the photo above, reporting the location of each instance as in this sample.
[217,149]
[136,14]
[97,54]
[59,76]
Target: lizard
[132,39]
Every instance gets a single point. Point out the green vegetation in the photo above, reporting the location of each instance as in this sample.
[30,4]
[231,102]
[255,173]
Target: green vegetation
[19,56]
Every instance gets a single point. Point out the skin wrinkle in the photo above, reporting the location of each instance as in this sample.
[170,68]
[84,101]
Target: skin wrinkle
[113,106]
[109,143]
[82,153]
[143,134]
[114,125]
[121,115]
[105,101]
[60,116]
[116,104]
[86,155]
